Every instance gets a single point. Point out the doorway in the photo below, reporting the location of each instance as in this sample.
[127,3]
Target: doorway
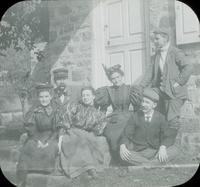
[121,36]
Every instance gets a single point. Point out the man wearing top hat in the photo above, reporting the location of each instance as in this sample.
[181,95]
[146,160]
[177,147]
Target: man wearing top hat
[147,137]
[168,72]
[61,94]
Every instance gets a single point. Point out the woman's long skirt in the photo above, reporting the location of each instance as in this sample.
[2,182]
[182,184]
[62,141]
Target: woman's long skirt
[81,151]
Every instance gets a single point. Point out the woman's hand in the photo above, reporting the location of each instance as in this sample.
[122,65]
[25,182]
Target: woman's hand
[175,85]
[42,145]
[23,138]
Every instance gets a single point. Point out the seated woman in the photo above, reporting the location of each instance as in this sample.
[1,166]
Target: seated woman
[120,96]
[40,148]
[82,148]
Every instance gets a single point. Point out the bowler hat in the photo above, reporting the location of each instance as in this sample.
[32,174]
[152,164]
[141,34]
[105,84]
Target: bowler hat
[151,94]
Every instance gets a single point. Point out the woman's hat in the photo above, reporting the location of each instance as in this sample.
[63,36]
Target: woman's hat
[109,71]
[43,87]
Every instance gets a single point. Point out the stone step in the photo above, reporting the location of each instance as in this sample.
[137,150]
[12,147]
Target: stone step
[2,129]
[33,179]
[9,170]
[142,177]
[183,171]
[8,149]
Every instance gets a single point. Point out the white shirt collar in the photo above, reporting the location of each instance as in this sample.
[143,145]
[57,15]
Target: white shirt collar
[165,48]
[149,115]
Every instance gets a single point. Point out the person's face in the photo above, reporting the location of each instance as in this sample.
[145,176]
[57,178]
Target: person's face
[88,97]
[61,83]
[147,105]
[45,98]
[160,41]
[116,79]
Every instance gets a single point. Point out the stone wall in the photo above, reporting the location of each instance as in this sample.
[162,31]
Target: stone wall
[70,35]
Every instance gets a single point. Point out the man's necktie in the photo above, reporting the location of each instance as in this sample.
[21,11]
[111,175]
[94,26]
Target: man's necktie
[147,118]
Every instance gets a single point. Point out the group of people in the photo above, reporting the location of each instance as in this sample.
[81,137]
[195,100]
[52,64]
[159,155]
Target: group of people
[83,137]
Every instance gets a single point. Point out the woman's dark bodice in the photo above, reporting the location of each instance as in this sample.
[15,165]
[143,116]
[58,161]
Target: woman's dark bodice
[40,122]
[117,97]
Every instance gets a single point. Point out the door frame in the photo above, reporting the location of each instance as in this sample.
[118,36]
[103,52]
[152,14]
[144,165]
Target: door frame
[98,49]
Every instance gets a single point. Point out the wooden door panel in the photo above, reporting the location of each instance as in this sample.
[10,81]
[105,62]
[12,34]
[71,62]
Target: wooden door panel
[136,58]
[124,36]
[115,28]
[187,24]
[116,57]
[135,12]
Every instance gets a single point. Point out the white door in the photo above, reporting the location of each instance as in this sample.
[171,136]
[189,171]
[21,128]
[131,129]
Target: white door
[123,38]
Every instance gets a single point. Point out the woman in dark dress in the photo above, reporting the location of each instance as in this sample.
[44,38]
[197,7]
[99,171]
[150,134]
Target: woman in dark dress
[40,147]
[120,96]
[83,149]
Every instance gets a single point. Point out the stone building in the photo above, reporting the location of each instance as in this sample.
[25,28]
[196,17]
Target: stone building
[84,34]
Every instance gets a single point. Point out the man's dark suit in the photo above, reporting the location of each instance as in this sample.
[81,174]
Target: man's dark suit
[142,137]
[176,70]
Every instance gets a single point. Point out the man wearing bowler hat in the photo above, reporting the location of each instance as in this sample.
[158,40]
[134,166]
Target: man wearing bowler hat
[168,72]
[61,94]
[147,137]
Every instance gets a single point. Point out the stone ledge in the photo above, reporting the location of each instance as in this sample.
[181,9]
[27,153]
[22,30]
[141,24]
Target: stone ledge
[160,176]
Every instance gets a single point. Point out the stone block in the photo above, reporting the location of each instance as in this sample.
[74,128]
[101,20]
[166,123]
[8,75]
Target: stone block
[17,116]
[64,10]
[6,118]
[86,36]
[53,36]
[70,49]
[36,180]
[78,75]
[69,28]
[85,47]
[189,125]
[190,143]
[65,38]
[75,19]
[187,111]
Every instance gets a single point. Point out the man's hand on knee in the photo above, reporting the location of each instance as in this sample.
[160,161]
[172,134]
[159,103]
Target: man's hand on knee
[125,154]
[162,154]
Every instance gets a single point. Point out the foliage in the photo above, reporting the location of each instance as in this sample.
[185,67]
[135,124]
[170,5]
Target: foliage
[17,64]
[21,25]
